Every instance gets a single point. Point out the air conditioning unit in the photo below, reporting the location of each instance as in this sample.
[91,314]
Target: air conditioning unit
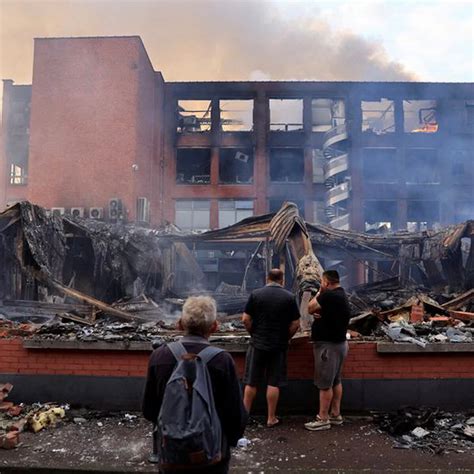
[96,212]
[58,211]
[115,209]
[77,212]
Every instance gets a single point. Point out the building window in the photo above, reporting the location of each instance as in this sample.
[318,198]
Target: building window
[235,165]
[17,174]
[379,215]
[194,116]
[236,115]
[422,215]
[327,114]
[419,116]
[318,166]
[193,166]
[378,116]
[286,115]
[380,165]
[463,211]
[276,203]
[421,166]
[233,210]
[143,210]
[286,165]
[470,115]
[193,215]
[462,167]
[319,212]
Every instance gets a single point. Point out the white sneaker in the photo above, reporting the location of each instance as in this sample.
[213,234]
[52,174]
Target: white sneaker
[318,425]
[336,420]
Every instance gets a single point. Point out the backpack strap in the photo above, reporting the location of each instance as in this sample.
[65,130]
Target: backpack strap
[177,349]
[209,353]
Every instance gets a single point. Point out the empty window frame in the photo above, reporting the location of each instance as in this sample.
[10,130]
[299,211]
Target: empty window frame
[318,166]
[236,115]
[276,203]
[193,166]
[421,166]
[419,116]
[286,115]
[462,167]
[236,165]
[193,214]
[286,165]
[17,174]
[327,114]
[194,116]
[234,210]
[378,117]
[379,213]
[422,215]
[319,212]
[380,165]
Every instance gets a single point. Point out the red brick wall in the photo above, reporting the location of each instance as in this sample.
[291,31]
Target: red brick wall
[86,124]
[363,362]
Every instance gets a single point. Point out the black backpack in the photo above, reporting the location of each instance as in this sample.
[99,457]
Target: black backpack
[189,429]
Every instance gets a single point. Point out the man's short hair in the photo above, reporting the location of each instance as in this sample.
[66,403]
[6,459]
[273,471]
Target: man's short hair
[332,276]
[275,274]
[199,314]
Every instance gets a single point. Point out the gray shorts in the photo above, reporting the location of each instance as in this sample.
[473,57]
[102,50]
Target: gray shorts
[328,361]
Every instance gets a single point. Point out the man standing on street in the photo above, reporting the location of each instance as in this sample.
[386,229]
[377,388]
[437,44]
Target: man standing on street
[271,317]
[331,311]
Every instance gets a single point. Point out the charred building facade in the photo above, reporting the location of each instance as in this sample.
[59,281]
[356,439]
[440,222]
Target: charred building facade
[100,133]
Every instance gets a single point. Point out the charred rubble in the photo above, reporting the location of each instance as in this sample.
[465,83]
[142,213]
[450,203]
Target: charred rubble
[74,278]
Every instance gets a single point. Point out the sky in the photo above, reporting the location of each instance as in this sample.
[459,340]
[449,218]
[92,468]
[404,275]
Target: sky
[260,40]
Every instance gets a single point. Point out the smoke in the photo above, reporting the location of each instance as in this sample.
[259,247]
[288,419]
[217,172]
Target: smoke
[204,40]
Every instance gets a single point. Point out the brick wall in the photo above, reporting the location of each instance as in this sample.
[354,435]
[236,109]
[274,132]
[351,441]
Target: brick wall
[363,362]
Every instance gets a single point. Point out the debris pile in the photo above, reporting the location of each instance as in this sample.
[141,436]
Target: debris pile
[429,429]
[16,418]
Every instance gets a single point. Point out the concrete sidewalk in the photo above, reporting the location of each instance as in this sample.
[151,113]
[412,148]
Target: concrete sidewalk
[121,444]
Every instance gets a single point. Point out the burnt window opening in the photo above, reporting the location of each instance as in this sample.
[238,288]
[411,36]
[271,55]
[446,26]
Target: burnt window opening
[232,211]
[319,212]
[193,116]
[422,215]
[420,116]
[318,166]
[380,165]
[18,174]
[236,165]
[286,165]
[275,204]
[462,167]
[380,215]
[193,214]
[327,114]
[421,166]
[286,115]
[193,166]
[236,115]
[378,117]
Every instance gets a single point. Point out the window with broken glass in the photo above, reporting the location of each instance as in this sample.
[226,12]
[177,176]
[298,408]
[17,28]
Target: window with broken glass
[422,215]
[193,166]
[236,165]
[327,114]
[286,165]
[193,116]
[378,117]
[420,116]
[236,115]
[380,165]
[286,115]
[193,214]
[380,215]
[232,211]
[421,166]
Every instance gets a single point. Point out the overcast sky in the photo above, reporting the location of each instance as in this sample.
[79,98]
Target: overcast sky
[246,39]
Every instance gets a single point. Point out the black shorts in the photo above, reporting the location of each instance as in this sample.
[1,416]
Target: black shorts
[267,367]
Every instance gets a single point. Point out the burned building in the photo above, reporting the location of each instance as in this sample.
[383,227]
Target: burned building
[101,134]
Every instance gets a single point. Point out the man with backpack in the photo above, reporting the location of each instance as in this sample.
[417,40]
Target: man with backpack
[193,395]
[271,316]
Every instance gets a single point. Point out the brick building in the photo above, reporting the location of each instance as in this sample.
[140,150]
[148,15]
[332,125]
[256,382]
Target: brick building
[100,132]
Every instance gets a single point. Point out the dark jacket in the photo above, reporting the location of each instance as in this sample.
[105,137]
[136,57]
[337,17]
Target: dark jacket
[225,385]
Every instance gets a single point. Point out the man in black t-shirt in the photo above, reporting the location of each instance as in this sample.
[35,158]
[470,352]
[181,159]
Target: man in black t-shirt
[331,311]
[271,317]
